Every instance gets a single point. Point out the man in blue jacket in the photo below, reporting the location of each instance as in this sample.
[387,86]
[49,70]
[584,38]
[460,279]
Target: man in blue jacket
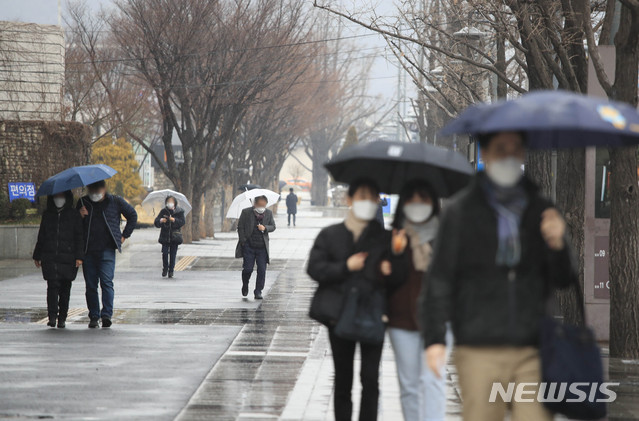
[101,213]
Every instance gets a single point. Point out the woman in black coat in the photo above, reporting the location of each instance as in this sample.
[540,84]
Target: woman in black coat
[170,220]
[353,249]
[59,251]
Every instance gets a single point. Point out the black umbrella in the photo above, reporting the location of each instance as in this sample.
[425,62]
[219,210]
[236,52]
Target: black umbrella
[245,187]
[392,164]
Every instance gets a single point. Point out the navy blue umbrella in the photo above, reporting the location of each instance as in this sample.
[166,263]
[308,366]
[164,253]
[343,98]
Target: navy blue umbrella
[392,164]
[554,119]
[75,177]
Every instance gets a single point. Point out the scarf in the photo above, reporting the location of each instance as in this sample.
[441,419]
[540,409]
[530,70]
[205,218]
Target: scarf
[509,204]
[421,235]
[259,217]
[354,225]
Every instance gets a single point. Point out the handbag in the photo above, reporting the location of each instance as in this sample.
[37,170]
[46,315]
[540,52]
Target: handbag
[363,317]
[569,354]
[327,304]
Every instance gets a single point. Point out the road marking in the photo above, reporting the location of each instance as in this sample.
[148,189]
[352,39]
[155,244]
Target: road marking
[185,262]
[73,312]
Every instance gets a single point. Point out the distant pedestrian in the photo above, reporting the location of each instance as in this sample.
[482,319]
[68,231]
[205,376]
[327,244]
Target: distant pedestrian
[170,220]
[102,213]
[352,250]
[59,251]
[253,228]
[423,395]
[379,215]
[291,206]
[501,248]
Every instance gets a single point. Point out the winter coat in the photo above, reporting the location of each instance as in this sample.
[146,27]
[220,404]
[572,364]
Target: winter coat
[114,207]
[170,232]
[291,203]
[490,304]
[60,241]
[245,226]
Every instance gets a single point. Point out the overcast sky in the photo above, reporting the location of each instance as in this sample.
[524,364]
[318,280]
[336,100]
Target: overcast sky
[382,79]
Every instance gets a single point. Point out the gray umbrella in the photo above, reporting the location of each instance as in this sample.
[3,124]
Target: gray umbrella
[393,164]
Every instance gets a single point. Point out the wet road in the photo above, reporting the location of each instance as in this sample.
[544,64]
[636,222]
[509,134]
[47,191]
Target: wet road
[190,348]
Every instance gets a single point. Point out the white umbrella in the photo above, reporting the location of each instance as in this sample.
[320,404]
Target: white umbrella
[245,200]
[154,202]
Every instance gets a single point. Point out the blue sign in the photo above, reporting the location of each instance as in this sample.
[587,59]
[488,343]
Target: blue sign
[22,191]
[386,208]
[480,162]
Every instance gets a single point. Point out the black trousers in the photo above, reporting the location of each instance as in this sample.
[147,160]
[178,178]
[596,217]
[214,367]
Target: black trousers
[289,218]
[169,251]
[343,356]
[58,295]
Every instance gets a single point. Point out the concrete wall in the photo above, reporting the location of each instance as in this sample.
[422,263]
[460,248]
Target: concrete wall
[31,71]
[17,241]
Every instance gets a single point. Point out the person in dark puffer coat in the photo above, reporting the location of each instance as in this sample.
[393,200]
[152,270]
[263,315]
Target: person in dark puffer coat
[170,220]
[59,251]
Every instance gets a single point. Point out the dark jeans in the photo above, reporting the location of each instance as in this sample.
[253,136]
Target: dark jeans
[58,294]
[343,356]
[289,218]
[252,256]
[98,269]
[169,251]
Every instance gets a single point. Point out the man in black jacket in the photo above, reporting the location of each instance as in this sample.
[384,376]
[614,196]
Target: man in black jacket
[253,244]
[59,252]
[291,206]
[501,248]
[102,214]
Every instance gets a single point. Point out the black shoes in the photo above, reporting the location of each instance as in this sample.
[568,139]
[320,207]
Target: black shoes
[51,323]
[244,290]
[170,274]
[62,324]
[164,272]
[93,323]
[258,296]
[106,322]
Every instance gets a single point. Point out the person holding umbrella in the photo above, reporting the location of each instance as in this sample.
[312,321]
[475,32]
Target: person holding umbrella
[101,213]
[59,251]
[253,227]
[170,220]
[502,246]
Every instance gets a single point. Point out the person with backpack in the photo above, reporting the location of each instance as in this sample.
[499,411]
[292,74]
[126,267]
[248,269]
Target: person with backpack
[170,220]
[101,213]
[59,251]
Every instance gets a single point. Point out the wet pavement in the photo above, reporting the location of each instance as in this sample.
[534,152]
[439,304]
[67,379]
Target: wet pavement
[191,348]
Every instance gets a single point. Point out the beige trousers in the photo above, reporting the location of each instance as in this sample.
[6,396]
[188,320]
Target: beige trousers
[479,367]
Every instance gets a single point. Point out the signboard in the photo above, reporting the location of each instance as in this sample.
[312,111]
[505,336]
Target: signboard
[601,279]
[22,191]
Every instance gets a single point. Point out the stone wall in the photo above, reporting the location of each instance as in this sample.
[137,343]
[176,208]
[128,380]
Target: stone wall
[32,151]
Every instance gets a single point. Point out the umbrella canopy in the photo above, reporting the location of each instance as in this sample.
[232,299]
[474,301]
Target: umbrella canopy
[245,200]
[245,187]
[393,164]
[154,201]
[554,119]
[75,177]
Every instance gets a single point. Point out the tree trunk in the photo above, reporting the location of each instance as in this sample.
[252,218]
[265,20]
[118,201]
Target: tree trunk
[196,216]
[212,198]
[539,169]
[624,206]
[228,199]
[319,193]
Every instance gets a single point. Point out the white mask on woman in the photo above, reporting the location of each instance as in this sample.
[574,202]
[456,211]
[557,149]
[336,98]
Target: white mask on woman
[364,210]
[59,201]
[170,205]
[418,213]
[96,197]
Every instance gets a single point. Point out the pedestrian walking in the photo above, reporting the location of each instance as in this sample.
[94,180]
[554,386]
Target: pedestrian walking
[170,220]
[253,227]
[502,248]
[102,213]
[352,250]
[59,251]
[423,395]
[291,206]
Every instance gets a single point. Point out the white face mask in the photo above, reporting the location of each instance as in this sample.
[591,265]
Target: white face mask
[418,212]
[170,205]
[96,197]
[59,201]
[505,172]
[260,210]
[364,210]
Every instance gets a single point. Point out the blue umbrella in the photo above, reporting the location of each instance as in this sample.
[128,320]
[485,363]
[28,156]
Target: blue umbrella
[75,177]
[554,119]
